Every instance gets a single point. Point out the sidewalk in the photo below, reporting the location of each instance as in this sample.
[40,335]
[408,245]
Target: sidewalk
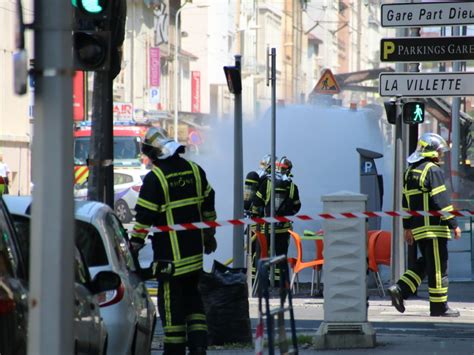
[413,332]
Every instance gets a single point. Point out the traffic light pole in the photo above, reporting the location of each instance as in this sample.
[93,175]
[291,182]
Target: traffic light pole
[101,187]
[51,281]
[398,242]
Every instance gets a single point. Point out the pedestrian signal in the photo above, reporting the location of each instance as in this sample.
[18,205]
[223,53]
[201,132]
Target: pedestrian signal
[92,35]
[414,112]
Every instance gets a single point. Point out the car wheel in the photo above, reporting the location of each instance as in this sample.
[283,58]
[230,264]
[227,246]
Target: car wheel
[122,211]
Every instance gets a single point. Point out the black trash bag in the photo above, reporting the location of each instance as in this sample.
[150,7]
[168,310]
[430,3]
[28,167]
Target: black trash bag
[225,296]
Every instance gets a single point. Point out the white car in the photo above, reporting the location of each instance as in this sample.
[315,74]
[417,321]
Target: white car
[128,312]
[127,184]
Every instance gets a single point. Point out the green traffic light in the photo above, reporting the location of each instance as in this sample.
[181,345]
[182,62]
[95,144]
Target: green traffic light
[91,6]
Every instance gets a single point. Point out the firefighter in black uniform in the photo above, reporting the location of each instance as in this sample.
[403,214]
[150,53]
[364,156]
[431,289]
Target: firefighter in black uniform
[424,190]
[287,203]
[176,191]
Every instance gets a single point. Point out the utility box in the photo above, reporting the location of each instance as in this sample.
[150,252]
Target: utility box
[345,322]
[371,184]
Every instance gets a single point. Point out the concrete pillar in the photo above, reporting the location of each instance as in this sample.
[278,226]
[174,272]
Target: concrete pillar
[345,322]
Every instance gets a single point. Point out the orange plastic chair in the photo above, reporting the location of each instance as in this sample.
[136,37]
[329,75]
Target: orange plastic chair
[298,264]
[379,252]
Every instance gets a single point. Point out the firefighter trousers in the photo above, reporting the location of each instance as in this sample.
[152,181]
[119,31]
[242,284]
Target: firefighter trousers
[434,264]
[182,314]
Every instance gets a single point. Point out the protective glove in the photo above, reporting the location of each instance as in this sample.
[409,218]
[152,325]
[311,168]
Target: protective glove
[210,243]
[136,244]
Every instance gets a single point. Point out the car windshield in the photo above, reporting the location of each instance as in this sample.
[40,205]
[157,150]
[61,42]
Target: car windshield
[126,150]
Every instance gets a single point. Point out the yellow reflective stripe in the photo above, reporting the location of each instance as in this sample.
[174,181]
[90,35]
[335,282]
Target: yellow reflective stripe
[412,192]
[208,190]
[169,213]
[438,290]
[198,179]
[438,299]
[141,225]
[181,173]
[415,276]
[438,190]
[197,327]
[174,328]
[196,316]
[188,260]
[259,195]
[166,294]
[269,192]
[426,207]
[417,171]
[437,228]
[437,262]
[424,173]
[147,204]
[174,340]
[251,181]
[188,269]
[292,190]
[409,283]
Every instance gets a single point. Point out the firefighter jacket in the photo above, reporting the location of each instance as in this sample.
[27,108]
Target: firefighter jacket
[287,201]
[424,190]
[175,191]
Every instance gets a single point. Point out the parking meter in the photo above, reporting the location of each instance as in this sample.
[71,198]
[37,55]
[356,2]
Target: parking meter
[371,184]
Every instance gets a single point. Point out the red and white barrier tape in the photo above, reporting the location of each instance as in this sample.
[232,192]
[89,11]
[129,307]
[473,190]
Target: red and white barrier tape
[317,217]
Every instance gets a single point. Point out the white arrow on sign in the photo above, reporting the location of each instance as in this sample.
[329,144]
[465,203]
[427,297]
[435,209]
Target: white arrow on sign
[426,84]
[427,14]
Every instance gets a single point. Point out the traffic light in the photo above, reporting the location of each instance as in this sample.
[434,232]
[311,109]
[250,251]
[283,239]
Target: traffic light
[234,81]
[413,112]
[391,111]
[92,36]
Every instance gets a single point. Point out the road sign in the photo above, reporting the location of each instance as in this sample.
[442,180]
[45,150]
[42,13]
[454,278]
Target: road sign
[154,94]
[327,84]
[426,84]
[427,49]
[427,14]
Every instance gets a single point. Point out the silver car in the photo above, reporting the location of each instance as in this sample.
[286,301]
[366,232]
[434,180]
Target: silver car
[90,333]
[128,312]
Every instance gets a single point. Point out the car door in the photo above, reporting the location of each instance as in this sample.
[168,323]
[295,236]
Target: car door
[88,323]
[144,306]
[13,290]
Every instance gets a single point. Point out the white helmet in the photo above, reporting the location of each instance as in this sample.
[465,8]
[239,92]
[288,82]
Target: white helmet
[430,145]
[157,144]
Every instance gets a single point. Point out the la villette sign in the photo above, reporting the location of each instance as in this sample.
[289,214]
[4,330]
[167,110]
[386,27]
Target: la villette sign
[426,49]
[428,14]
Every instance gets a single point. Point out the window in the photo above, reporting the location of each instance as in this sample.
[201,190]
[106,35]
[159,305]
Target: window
[120,241]
[89,243]
[120,179]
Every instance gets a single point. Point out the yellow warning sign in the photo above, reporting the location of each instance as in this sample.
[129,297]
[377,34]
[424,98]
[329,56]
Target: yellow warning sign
[327,84]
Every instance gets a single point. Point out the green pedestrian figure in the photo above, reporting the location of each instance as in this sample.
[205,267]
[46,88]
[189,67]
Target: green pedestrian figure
[418,114]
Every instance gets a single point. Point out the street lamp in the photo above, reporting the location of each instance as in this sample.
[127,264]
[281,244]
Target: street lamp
[176,70]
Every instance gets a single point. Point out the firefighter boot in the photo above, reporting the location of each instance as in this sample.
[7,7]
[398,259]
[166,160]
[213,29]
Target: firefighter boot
[397,298]
[449,312]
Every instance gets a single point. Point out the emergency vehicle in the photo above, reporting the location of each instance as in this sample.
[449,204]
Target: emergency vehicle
[127,147]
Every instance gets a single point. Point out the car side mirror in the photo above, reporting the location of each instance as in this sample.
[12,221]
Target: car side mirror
[105,281]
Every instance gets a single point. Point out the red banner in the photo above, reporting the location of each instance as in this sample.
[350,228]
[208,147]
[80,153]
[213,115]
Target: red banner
[78,96]
[195,91]
[155,67]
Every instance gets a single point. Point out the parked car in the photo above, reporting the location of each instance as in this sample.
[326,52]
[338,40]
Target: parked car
[90,334]
[128,311]
[127,184]
[13,290]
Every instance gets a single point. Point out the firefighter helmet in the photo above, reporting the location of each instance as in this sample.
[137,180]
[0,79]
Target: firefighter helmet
[265,165]
[284,166]
[430,145]
[157,145]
